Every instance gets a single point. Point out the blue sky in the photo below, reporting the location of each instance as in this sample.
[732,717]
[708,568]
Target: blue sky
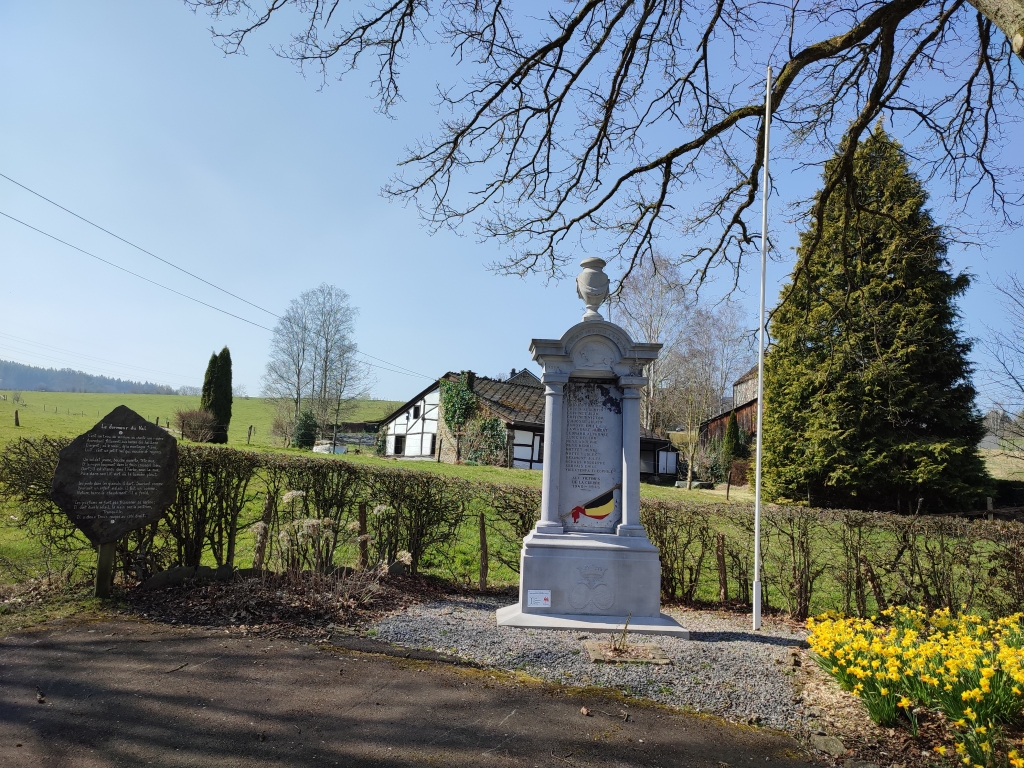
[240,170]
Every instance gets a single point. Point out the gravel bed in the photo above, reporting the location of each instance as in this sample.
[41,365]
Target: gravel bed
[724,668]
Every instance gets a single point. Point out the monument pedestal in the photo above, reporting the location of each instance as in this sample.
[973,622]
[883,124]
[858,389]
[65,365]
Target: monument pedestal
[589,582]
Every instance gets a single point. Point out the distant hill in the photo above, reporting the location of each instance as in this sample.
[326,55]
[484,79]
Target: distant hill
[31,378]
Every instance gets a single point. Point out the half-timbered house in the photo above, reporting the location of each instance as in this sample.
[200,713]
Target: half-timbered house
[417,430]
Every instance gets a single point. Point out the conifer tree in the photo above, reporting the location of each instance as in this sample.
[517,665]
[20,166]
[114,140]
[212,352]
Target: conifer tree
[221,405]
[868,396]
[208,396]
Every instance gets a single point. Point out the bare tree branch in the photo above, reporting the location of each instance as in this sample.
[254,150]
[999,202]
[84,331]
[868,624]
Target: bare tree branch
[616,124]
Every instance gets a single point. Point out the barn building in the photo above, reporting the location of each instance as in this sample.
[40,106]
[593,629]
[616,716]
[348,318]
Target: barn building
[416,430]
[744,402]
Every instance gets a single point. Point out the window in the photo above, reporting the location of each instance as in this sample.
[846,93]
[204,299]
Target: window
[433,445]
[415,411]
[399,445]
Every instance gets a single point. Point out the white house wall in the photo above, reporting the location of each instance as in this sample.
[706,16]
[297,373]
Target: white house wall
[527,449]
[418,431]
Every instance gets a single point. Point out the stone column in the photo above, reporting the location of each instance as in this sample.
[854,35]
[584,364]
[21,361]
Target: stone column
[630,525]
[554,450]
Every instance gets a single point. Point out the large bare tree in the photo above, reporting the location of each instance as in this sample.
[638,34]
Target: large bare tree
[653,306]
[620,122]
[1005,348]
[714,350]
[313,357]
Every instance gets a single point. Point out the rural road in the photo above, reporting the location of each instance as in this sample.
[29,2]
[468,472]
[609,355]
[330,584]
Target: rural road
[128,693]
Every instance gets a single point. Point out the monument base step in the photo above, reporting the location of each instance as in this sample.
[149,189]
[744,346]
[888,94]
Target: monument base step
[512,616]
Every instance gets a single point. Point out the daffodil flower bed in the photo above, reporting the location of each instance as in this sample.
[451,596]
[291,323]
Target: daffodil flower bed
[970,669]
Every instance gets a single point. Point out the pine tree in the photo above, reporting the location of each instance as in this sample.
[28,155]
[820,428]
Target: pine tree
[304,435]
[208,397]
[221,405]
[868,396]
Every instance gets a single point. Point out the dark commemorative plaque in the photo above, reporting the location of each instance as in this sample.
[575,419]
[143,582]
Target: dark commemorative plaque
[117,477]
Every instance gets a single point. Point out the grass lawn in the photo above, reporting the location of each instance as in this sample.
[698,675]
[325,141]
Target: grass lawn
[70,414]
[1002,465]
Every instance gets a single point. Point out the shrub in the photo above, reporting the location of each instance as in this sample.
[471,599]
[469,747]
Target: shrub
[196,425]
[304,435]
[486,442]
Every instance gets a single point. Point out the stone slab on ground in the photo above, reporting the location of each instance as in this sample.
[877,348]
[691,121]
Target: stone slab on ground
[512,616]
[125,693]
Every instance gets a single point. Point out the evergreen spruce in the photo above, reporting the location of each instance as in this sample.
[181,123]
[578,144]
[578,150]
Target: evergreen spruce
[209,397]
[304,435]
[221,405]
[868,395]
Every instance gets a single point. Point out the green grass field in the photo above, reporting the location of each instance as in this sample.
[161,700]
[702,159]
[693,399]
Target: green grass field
[70,414]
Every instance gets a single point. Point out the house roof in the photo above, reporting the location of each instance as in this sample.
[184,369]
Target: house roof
[525,377]
[751,374]
[512,402]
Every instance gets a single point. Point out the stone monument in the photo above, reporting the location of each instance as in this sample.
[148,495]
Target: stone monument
[588,563]
[119,476]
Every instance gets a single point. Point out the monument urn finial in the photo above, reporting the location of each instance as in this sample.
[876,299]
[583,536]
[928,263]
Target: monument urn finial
[592,286]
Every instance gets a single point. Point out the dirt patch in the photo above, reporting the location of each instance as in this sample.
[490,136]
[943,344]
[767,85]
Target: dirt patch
[834,712]
[308,606]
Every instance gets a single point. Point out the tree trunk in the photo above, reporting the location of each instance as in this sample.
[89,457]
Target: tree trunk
[1008,15]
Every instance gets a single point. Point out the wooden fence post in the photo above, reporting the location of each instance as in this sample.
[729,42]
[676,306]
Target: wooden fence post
[16,422]
[105,569]
[364,544]
[483,552]
[723,579]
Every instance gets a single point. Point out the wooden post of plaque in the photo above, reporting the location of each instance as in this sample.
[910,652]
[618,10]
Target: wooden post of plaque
[119,476]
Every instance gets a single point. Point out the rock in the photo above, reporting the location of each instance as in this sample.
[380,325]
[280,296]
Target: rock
[397,568]
[168,578]
[828,744]
[250,573]
[224,573]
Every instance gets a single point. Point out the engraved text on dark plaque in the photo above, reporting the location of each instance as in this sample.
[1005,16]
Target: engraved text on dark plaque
[117,477]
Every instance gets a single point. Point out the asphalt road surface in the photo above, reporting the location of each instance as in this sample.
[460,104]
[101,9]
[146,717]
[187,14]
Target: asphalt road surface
[127,693]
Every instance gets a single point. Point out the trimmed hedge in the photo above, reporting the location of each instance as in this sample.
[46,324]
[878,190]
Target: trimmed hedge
[304,513]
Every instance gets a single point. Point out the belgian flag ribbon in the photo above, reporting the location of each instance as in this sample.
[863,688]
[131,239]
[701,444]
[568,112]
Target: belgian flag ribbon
[597,508]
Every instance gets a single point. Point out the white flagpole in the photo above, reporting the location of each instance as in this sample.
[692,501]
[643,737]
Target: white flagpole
[760,355]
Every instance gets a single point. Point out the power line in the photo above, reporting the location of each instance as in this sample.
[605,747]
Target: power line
[186,296]
[138,247]
[402,369]
[135,274]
